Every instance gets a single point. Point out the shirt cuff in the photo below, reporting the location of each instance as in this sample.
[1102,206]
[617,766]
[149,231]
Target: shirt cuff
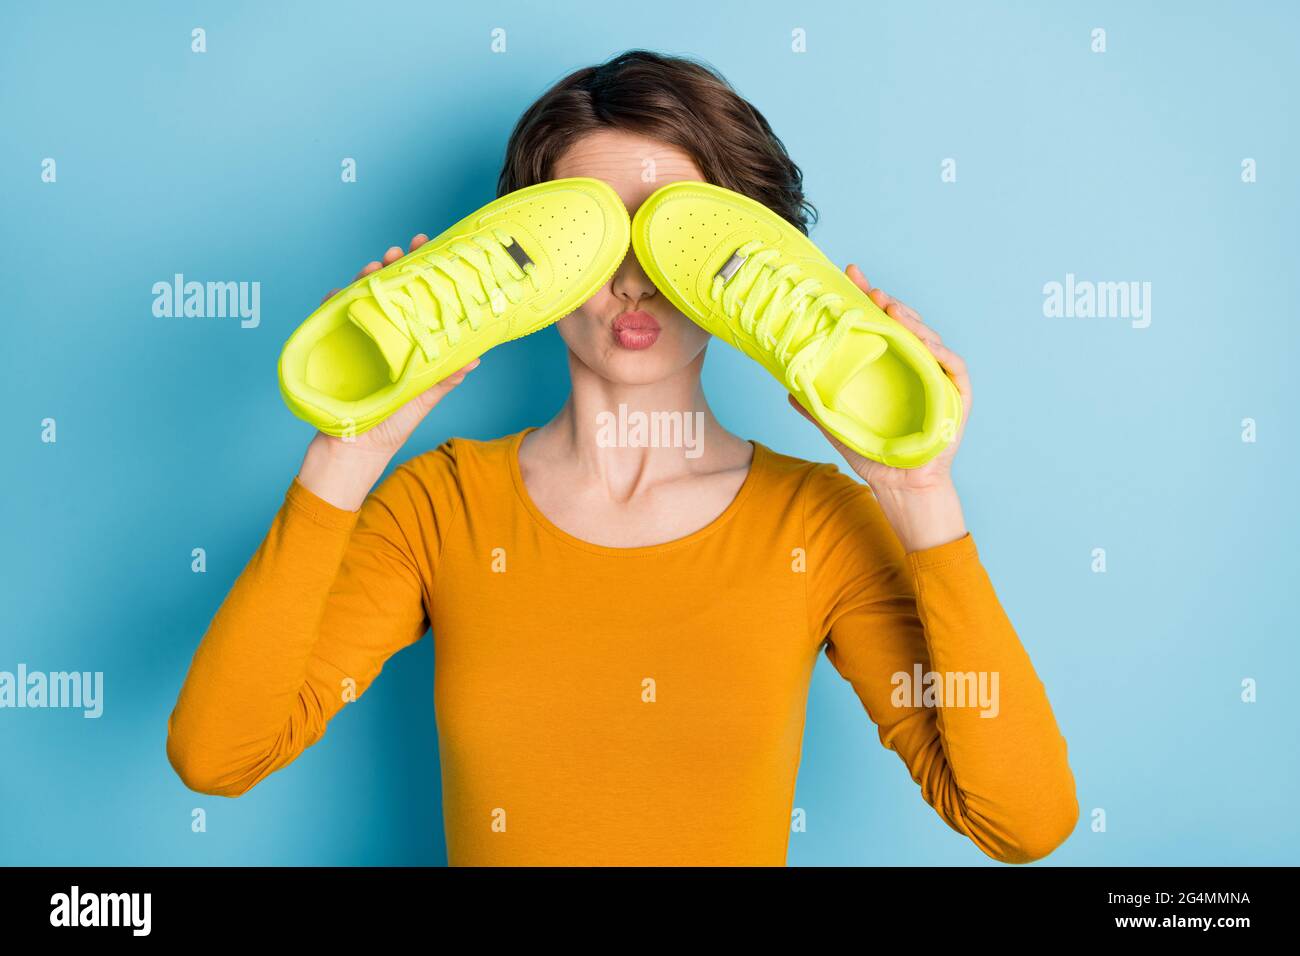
[319,510]
[962,549]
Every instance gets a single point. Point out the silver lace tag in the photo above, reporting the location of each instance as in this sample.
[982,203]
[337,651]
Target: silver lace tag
[517,253]
[731,265]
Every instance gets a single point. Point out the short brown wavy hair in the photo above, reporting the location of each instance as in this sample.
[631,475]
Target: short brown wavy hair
[675,100]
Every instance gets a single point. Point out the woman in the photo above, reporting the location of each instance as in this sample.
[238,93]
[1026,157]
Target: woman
[625,636]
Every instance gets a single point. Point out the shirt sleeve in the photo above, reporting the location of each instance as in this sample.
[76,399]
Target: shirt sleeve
[326,599]
[925,643]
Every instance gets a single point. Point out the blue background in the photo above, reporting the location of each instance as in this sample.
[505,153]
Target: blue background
[1086,433]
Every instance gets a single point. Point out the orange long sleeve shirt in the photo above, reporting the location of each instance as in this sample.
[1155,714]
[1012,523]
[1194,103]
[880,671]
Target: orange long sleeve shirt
[580,722]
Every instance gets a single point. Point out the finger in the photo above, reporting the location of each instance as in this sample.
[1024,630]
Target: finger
[435,393]
[464,370]
[896,309]
[955,366]
[794,403]
[857,278]
[370,267]
[418,241]
[912,314]
[906,321]
[393,254]
[458,376]
[878,296]
[912,322]
[849,454]
[329,295]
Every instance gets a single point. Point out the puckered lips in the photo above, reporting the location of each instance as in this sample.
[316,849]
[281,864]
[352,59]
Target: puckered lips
[636,330]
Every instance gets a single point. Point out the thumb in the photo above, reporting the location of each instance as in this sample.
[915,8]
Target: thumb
[426,400]
[851,456]
[407,418]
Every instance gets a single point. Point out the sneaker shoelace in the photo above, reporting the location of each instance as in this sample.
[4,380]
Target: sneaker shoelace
[782,310]
[467,280]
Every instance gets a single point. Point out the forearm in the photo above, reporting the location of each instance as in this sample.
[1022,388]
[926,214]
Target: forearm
[1004,756]
[242,711]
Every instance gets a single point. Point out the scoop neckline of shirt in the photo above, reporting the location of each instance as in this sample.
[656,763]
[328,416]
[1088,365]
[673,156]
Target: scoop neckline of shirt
[725,516]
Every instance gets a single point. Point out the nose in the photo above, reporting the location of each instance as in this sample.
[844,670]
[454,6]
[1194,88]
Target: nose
[630,281]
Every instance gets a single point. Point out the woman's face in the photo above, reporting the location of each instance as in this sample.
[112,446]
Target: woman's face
[628,333]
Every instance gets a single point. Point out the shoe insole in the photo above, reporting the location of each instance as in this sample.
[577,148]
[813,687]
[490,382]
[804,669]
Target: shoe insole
[884,394]
[347,365]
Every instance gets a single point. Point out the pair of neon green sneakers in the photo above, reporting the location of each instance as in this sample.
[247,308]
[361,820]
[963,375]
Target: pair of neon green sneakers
[529,258]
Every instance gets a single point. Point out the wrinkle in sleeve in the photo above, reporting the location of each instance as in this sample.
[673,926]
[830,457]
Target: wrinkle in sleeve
[937,665]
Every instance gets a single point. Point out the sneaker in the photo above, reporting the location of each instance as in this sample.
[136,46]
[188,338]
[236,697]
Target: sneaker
[513,267]
[747,276]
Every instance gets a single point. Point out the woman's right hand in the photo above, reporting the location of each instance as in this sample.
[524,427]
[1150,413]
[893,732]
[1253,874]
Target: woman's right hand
[343,470]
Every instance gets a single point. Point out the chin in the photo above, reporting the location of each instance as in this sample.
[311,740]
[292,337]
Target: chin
[644,367]
[630,366]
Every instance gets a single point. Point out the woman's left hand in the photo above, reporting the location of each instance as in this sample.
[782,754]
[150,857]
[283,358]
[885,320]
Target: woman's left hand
[938,471]
[921,504]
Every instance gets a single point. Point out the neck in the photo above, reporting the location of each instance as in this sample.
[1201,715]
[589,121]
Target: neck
[629,436]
